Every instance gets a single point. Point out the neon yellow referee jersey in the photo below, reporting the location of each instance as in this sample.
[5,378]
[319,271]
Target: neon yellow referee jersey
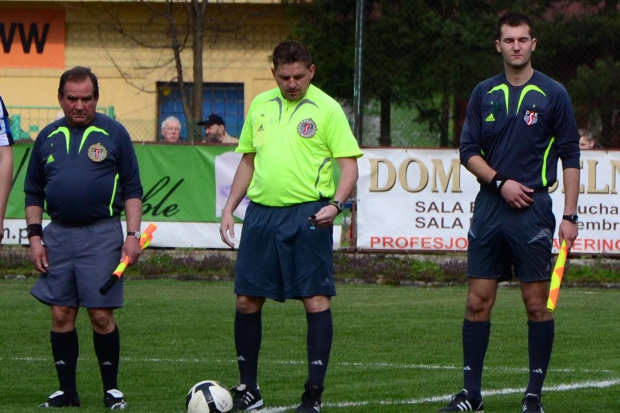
[296,144]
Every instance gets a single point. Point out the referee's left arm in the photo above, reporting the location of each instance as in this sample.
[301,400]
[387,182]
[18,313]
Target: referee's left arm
[131,247]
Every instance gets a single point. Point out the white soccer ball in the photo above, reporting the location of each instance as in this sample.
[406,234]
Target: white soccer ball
[208,396]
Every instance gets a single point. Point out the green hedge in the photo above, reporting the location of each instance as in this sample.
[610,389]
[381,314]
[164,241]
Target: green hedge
[349,267]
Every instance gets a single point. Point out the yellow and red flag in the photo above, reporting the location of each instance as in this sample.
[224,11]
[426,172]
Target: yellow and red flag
[556,277]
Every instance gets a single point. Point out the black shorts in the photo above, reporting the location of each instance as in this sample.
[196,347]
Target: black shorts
[501,235]
[281,256]
[81,260]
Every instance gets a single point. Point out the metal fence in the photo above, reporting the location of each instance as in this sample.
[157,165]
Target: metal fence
[420,60]
[27,121]
[405,69]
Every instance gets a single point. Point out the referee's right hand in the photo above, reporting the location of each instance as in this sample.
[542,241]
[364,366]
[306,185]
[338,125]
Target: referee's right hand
[227,228]
[38,254]
[516,194]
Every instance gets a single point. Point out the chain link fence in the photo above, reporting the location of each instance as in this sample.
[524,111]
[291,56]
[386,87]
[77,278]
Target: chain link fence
[420,61]
[27,121]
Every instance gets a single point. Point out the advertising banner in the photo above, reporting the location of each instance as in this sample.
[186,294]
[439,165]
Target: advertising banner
[32,38]
[423,200]
[418,200]
[183,193]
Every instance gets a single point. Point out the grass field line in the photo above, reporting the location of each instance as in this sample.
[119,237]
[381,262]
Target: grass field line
[446,397]
[300,362]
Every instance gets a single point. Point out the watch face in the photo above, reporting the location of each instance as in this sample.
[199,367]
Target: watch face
[338,205]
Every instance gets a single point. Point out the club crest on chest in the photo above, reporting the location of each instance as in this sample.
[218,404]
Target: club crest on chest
[306,128]
[97,152]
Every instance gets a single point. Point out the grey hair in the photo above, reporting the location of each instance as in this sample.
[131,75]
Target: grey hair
[170,119]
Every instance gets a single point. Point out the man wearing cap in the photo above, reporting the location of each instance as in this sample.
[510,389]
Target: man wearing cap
[215,131]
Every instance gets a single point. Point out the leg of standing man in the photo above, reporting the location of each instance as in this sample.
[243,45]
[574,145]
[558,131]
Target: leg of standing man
[106,340]
[541,333]
[248,338]
[65,351]
[476,332]
[320,334]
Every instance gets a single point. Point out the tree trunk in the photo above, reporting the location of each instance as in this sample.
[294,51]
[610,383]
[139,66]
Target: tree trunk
[198,24]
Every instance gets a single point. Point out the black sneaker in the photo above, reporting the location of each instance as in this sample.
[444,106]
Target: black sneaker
[61,399]
[114,400]
[532,404]
[311,399]
[245,399]
[461,403]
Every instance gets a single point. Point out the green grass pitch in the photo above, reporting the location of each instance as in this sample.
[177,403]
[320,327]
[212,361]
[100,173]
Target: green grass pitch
[396,349]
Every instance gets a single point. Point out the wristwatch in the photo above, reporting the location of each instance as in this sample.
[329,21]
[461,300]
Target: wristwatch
[339,205]
[134,234]
[574,218]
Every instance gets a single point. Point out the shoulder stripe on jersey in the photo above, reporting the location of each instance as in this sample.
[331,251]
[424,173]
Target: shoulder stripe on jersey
[88,131]
[65,131]
[525,91]
[504,89]
[300,104]
[279,102]
[544,165]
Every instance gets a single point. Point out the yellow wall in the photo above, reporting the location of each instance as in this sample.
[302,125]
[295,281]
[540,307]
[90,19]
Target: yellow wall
[239,39]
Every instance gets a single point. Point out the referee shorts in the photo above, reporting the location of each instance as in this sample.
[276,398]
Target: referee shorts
[81,260]
[500,234]
[282,256]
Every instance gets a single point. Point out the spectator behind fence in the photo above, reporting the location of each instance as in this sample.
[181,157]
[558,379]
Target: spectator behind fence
[171,129]
[587,141]
[6,163]
[215,131]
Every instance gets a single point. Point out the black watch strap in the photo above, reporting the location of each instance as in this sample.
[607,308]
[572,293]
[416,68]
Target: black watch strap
[339,206]
[133,234]
[574,218]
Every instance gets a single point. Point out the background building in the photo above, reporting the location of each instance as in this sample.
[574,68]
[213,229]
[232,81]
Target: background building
[129,45]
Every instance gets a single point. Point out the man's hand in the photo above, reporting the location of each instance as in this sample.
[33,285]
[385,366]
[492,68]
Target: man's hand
[227,229]
[516,195]
[131,250]
[569,232]
[325,217]
[38,254]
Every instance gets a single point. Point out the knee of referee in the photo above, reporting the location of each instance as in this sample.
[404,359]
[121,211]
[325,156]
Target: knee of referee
[102,320]
[247,304]
[63,318]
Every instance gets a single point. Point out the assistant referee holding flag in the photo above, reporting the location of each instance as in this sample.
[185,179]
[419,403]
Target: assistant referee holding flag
[84,169]
[519,124]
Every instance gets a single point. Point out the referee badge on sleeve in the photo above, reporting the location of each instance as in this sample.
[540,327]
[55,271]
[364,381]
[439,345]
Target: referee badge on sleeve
[97,152]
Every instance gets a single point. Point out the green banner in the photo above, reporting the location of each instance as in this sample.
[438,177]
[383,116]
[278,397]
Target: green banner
[185,189]
[180,181]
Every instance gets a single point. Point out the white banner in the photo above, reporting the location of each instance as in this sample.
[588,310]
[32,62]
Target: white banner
[168,234]
[422,200]
[408,200]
